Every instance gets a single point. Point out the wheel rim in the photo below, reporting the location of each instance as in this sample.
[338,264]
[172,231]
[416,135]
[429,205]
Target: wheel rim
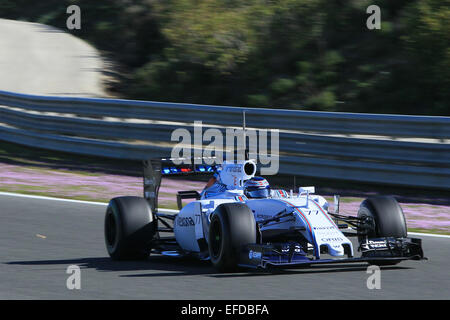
[216,239]
[111,229]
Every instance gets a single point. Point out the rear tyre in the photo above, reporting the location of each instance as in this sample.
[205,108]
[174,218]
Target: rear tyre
[232,226]
[387,220]
[129,228]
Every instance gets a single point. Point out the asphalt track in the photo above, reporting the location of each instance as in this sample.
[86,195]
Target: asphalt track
[40,238]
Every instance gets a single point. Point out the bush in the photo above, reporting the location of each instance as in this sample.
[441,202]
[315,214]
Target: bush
[257,100]
[325,100]
[282,86]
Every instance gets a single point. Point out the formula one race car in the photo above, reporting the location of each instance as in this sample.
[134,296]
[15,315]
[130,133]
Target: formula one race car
[245,223]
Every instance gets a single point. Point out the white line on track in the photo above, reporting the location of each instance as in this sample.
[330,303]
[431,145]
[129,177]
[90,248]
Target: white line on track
[429,234]
[69,200]
[51,198]
[161,210]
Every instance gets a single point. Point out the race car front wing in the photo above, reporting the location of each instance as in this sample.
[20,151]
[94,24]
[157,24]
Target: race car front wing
[291,255]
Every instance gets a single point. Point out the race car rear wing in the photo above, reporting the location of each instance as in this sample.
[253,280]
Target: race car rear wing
[155,169]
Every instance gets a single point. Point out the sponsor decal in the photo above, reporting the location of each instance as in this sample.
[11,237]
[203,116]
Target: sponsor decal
[234,169]
[185,222]
[287,249]
[324,228]
[254,255]
[375,244]
[336,239]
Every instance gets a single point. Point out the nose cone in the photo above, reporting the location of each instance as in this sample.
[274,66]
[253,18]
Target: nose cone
[336,249]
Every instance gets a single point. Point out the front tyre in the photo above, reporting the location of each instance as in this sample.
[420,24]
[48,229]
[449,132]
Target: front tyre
[232,226]
[386,219]
[129,228]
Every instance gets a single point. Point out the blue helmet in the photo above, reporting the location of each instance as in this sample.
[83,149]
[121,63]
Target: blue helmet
[257,187]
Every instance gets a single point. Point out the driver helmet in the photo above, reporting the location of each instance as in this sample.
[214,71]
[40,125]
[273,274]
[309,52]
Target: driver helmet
[257,187]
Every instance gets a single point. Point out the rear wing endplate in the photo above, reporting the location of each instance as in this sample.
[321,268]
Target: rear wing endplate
[155,169]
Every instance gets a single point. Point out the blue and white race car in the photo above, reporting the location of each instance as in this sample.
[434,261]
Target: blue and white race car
[240,221]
